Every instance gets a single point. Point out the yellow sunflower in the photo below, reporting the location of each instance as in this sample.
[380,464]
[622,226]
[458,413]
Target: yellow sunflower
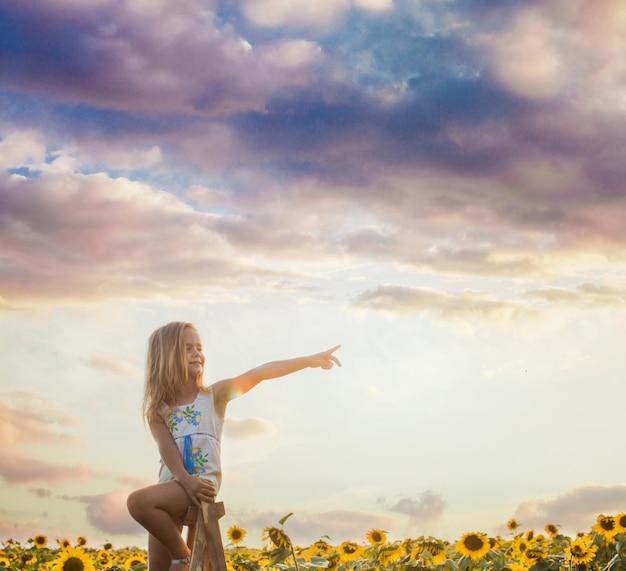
[263,559]
[532,555]
[512,524]
[530,534]
[235,566]
[519,546]
[320,548]
[65,543]
[278,537]
[552,530]
[81,541]
[429,549]
[236,534]
[388,554]
[349,551]
[606,526]
[580,551]
[104,557]
[333,561]
[134,558]
[375,536]
[73,559]
[620,522]
[4,561]
[541,543]
[474,545]
[517,566]
[40,541]
[438,558]
[27,557]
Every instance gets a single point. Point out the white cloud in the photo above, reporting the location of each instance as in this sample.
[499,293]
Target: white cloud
[554,46]
[307,13]
[374,5]
[585,295]
[119,157]
[247,428]
[21,148]
[291,53]
[113,365]
[405,299]
[527,60]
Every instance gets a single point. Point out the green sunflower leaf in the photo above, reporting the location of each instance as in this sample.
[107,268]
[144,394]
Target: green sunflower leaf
[450,565]
[282,520]
[277,556]
[318,562]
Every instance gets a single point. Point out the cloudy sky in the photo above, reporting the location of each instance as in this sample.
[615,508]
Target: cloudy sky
[438,186]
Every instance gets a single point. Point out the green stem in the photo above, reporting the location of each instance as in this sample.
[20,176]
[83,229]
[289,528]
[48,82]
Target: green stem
[293,553]
[611,562]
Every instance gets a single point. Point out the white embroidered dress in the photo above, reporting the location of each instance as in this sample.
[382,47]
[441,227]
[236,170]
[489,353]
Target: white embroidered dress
[197,431]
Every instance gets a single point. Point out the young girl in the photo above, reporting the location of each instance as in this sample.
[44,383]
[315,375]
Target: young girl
[186,420]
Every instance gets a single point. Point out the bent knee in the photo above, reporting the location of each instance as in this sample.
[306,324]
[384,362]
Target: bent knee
[134,504]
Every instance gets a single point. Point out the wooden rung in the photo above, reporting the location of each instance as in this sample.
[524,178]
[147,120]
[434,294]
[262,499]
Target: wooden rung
[191,516]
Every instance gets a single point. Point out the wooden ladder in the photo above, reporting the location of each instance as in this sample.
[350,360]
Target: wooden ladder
[204,538]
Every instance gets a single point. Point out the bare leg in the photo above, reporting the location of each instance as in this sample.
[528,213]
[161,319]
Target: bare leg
[159,557]
[160,510]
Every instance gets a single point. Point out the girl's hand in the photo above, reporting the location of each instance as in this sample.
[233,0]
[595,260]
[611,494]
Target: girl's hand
[197,489]
[325,359]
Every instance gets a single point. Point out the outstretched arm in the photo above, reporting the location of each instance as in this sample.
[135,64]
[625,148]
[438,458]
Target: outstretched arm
[228,389]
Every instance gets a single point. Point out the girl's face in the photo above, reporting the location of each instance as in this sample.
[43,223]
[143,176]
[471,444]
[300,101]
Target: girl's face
[193,353]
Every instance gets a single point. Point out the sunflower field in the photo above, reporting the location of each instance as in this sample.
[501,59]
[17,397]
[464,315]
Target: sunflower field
[602,548]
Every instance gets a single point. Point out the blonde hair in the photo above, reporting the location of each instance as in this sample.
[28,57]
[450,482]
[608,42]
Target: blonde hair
[166,369]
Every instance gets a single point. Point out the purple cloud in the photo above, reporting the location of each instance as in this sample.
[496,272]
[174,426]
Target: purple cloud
[33,418]
[428,507]
[30,419]
[575,510]
[20,469]
[165,58]
[108,512]
[414,141]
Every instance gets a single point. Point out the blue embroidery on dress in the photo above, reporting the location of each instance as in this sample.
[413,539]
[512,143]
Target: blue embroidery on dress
[193,459]
[188,454]
[188,414]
